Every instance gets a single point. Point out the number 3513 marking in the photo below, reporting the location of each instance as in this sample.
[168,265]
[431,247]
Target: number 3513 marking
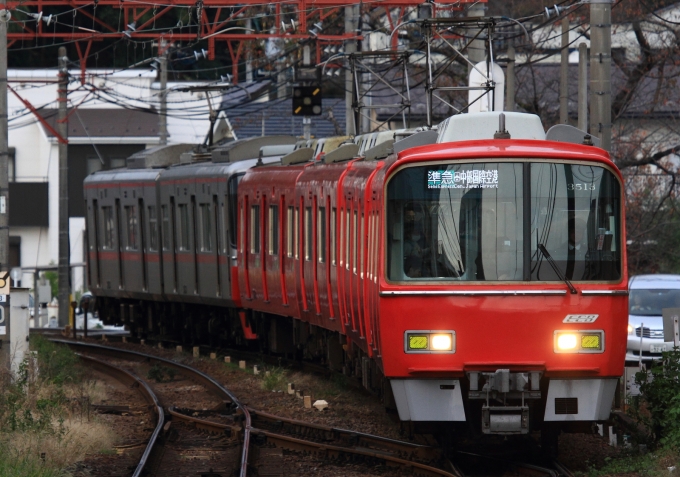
[578,186]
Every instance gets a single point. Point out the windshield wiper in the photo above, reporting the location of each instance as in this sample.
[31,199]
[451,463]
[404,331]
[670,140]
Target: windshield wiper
[557,270]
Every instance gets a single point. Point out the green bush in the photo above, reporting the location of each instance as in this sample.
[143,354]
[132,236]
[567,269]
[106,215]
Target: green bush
[659,405]
[276,381]
[57,364]
[161,374]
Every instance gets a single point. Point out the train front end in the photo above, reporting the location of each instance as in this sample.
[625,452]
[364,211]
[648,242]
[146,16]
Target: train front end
[503,298]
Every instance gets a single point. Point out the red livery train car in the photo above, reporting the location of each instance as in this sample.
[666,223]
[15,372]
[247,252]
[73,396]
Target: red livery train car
[474,275]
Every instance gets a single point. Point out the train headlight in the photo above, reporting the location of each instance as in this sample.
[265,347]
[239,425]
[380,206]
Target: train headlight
[442,342]
[430,341]
[566,341]
[582,341]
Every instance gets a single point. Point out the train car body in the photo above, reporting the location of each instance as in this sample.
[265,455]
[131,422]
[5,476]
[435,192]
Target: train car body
[474,280]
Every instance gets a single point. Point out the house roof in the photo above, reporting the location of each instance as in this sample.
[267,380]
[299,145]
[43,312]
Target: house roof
[276,117]
[106,122]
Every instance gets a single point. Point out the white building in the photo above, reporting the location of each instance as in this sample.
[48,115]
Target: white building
[112,115]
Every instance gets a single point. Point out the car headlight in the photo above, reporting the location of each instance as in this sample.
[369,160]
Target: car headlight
[430,341]
[581,341]
[631,329]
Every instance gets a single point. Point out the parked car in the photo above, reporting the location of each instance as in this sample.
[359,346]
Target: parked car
[649,295]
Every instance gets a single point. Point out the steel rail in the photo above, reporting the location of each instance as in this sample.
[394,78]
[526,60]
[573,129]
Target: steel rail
[296,444]
[206,380]
[538,468]
[414,450]
[128,378]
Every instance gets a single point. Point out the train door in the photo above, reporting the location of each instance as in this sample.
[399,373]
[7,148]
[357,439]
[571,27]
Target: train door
[217,239]
[273,239]
[119,245]
[153,263]
[93,245]
[194,246]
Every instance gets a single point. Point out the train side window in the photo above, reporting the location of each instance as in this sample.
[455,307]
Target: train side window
[308,234]
[321,235]
[243,228]
[165,218]
[273,234]
[289,232]
[205,227]
[296,233]
[225,229]
[255,229]
[153,229]
[183,225]
[362,243]
[347,239]
[233,207]
[109,228]
[354,243]
[333,240]
[132,235]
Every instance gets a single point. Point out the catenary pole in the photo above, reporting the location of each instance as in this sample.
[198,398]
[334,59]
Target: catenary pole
[510,82]
[583,87]
[600,71]
[62,129]
[351,25]
[4,180]
[163,117]
[564,73]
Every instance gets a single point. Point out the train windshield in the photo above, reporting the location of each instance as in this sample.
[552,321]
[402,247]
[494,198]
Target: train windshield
[503,221]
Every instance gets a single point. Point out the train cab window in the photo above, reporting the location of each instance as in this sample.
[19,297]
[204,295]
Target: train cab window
[153,229]
[273,230]
[289,232]
[308,234]
[109,228]
[503,221]
[361,247]
[132,225]
[296,233]
[205,226]
[165,219]
[183,228]
[255,232]
[321,234]
[332,236]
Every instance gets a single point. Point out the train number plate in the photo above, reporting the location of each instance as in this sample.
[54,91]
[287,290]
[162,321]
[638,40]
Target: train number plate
[580,319]
[657,348]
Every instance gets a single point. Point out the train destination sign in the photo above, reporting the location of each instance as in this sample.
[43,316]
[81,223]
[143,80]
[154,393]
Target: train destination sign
[472,179]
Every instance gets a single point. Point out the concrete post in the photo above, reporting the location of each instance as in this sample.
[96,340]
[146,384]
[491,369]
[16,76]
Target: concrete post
[510,94]
[64,251]
[564,73]
[600,71]
[583,87]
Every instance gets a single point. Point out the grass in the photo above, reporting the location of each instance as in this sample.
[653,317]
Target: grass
[651,464]
[44,426]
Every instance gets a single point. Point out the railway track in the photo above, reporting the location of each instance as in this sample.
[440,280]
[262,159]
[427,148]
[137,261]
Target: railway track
[270,434]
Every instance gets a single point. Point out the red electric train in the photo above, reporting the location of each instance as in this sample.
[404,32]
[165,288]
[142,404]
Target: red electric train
[475,275]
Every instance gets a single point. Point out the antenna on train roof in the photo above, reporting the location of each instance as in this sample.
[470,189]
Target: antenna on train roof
[502,133]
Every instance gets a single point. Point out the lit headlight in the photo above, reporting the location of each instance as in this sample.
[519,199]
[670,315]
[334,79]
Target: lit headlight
[429,341]
[631,329]
[566,341]
[582,341]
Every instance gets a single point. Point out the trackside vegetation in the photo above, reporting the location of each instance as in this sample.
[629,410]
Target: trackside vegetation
[43,428]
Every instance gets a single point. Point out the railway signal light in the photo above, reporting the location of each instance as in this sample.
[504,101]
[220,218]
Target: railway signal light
[307,101]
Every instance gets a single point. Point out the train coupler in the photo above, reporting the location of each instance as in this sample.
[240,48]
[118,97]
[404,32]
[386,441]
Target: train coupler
[505,419]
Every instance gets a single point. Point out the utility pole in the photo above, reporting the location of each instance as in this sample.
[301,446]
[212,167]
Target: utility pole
[306,120]
[510,95]
[583,87]
[351,26]
[477,48]
[4,183]
[64,255]
[163,118]
[600,71]
[564,73]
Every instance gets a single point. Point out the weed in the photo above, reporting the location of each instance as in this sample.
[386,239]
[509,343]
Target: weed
[161,374]
[275,381]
